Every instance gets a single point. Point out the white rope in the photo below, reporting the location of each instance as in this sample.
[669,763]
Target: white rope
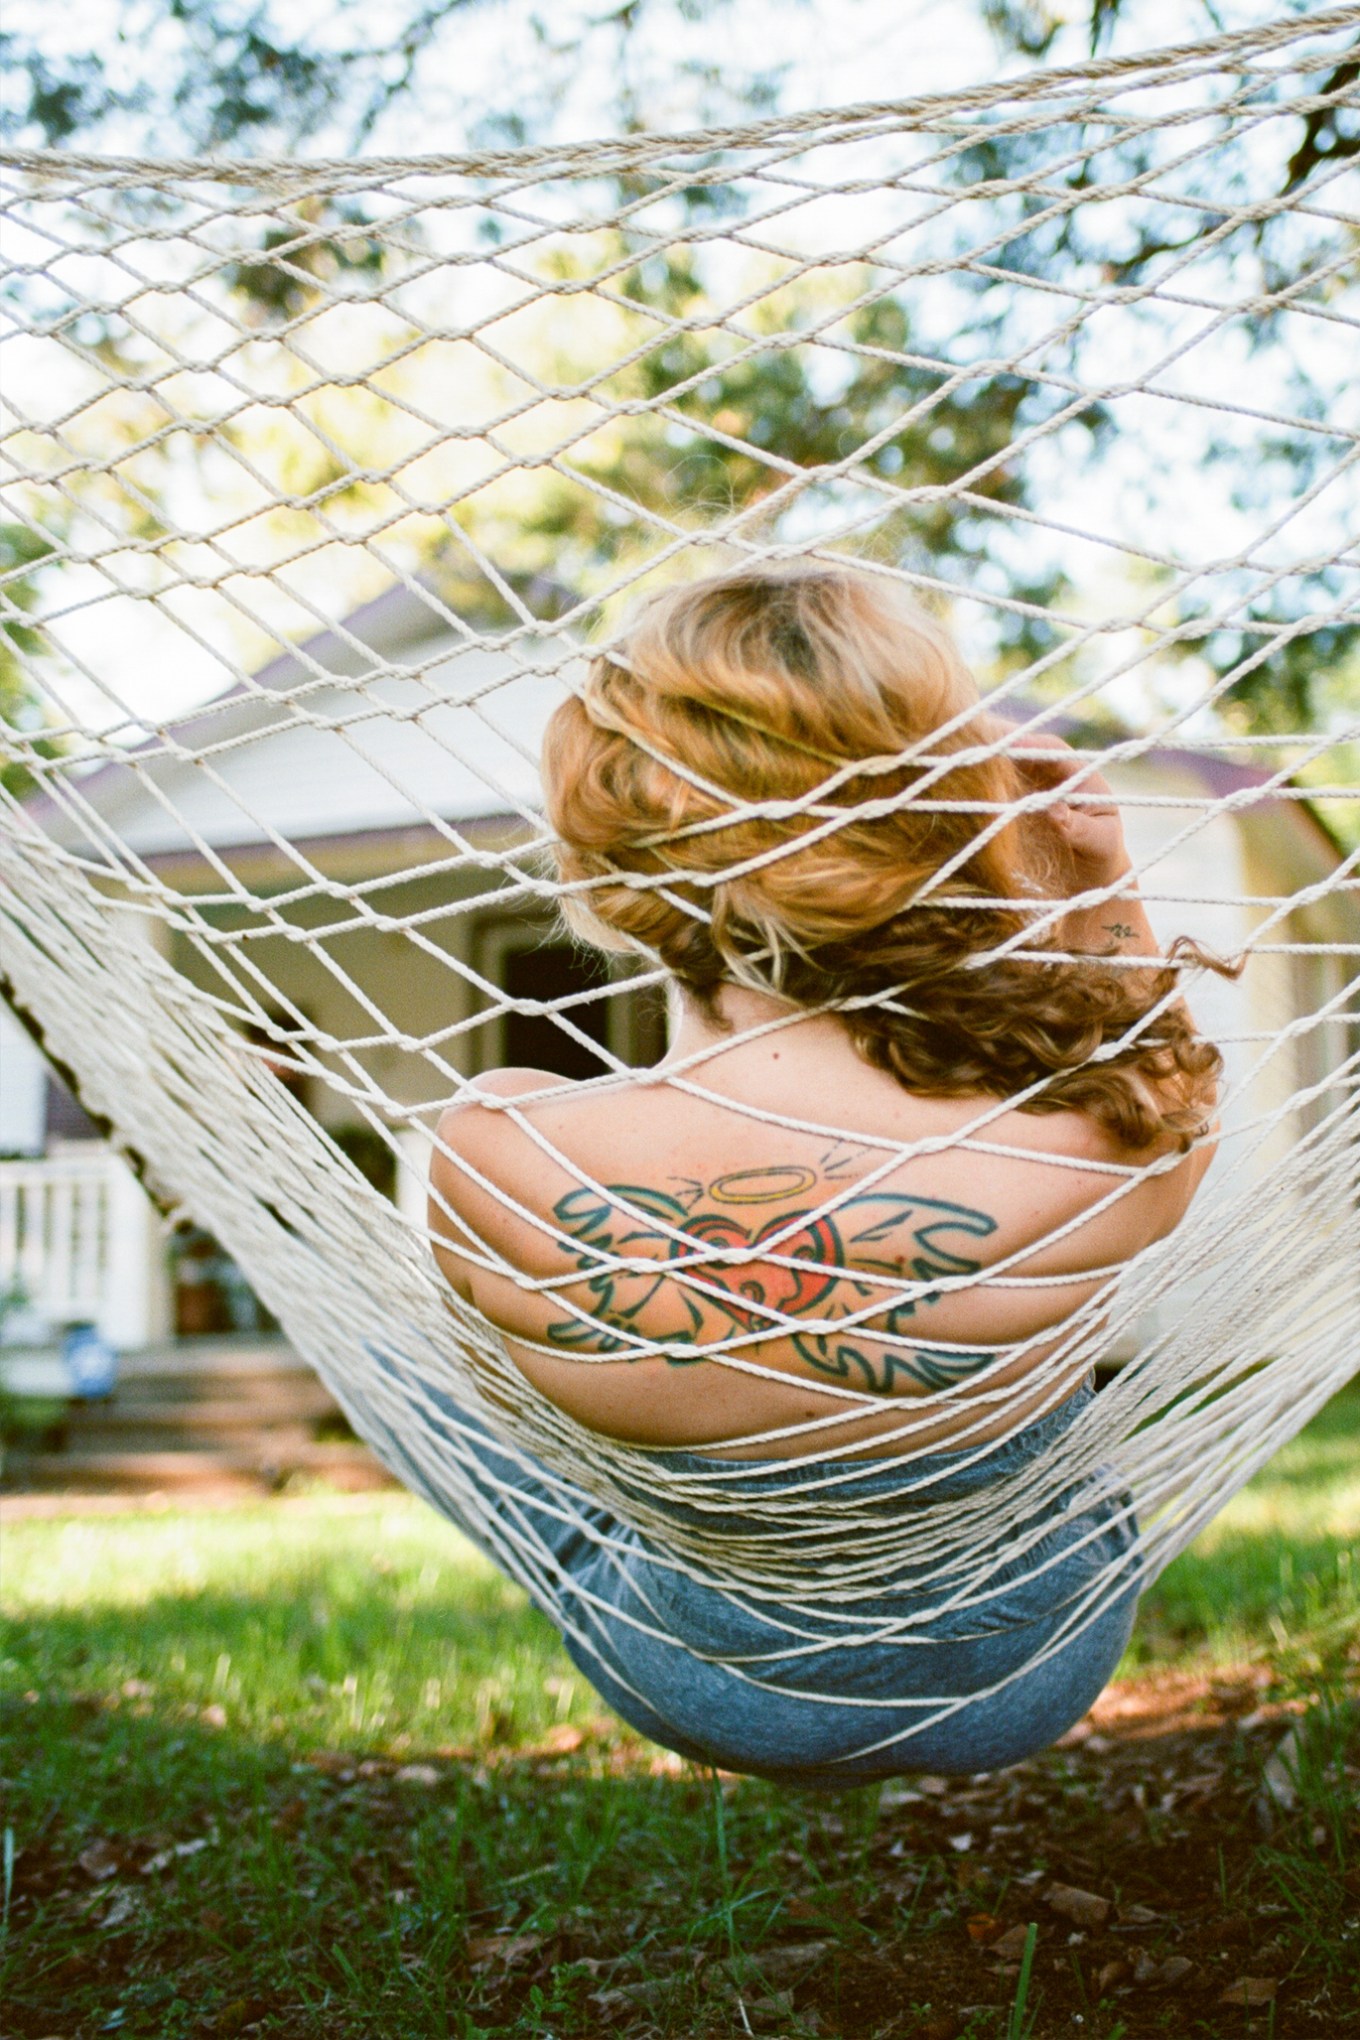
[316,173]
[327,470]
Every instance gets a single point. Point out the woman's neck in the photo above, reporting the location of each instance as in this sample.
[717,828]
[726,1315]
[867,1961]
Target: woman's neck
[751,1023]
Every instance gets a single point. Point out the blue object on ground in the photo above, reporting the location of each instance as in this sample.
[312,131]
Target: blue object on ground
[91,1362]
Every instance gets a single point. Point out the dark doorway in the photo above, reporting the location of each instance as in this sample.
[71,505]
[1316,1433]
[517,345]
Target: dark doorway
[554,970]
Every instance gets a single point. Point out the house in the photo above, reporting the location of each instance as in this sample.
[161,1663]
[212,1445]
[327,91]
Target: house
[389,772]
[406,752]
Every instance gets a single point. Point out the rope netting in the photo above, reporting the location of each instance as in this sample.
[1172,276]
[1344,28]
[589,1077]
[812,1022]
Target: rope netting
[322,478]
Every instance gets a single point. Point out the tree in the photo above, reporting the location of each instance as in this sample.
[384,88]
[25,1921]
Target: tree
[714,428]
[22,552]
[718,431]
[228,75]
[240,76]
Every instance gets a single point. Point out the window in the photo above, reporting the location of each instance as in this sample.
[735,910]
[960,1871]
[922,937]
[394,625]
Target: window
[64,1117]
[533,963]
[555,970]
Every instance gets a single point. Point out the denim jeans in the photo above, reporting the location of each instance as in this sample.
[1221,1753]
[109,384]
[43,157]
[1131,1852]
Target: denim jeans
[821,1693]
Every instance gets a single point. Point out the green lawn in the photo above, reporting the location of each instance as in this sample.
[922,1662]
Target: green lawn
[413,1817]
[1275,1578]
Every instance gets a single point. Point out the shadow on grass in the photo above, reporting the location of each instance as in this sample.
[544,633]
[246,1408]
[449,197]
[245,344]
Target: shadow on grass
[325,1777]
[180,1879]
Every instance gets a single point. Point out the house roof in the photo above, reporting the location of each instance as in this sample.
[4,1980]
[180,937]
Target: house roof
[416,728]
[387,730]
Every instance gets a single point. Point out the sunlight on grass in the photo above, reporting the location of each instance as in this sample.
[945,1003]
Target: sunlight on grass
[320,1624]
[339,1620]
[1274,1575]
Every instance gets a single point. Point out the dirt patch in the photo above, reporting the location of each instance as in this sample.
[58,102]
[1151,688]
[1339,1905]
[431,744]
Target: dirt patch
[1143,1852]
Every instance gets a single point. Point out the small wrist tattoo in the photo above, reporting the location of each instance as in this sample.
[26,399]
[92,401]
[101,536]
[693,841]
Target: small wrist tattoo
[1120,930]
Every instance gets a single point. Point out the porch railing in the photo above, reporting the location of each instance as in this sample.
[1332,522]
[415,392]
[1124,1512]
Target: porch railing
[78,1240]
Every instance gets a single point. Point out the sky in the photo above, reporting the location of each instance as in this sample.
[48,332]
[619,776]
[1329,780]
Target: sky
[488,56]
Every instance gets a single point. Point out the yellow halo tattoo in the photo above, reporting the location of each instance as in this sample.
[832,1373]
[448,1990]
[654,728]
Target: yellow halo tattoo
[761,1186]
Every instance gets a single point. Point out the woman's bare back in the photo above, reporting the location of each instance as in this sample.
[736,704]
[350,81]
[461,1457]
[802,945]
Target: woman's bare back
[758,1204]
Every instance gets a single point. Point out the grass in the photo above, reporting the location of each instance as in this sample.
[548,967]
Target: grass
[1274,1578]
[314,1769]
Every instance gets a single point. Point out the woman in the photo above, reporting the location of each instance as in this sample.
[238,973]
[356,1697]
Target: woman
[929,1086]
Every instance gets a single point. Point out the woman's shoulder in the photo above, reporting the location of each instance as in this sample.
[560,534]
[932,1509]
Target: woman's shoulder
[488,1174]
[510,1082]
[478,1115]
[1163,1176]
[512,1130]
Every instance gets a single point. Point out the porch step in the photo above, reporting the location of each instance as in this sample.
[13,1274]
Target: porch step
[230,1415]
[212,1360]
[252,1470]
[130,1431]
[294,1400]
[254,1388]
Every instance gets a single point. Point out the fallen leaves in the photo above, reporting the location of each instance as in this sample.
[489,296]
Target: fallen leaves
[121,1908]
[781,1966]
[983,1928]
[1279,1793]
[1010,1946]
[1084,1908]
[1250,1990]
[163,1858]
[416,1774]
[501,1951]
[779,2005]
[1150,1972]
[939,2026]
[629,1996]
[562,1741]
[104,1859]
[236,2015]
[100,1861]
[332,1764]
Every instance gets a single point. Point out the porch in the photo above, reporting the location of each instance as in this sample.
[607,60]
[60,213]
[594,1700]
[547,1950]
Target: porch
[81,1243]
[207,1418]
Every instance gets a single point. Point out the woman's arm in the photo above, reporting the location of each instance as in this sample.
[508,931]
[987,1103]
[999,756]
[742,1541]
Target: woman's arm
[1086,841]
[1088,838]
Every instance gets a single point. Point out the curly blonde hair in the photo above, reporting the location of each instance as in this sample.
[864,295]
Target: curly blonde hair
[755,786]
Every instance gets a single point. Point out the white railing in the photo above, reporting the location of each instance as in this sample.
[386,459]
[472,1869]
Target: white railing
[78,1239]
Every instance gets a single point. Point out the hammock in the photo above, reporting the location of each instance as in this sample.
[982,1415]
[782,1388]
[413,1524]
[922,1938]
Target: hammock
[322,477]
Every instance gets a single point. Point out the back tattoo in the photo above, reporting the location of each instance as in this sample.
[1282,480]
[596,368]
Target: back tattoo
[820,1272]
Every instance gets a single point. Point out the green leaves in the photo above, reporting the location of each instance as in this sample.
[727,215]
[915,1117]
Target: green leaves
[22,552]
